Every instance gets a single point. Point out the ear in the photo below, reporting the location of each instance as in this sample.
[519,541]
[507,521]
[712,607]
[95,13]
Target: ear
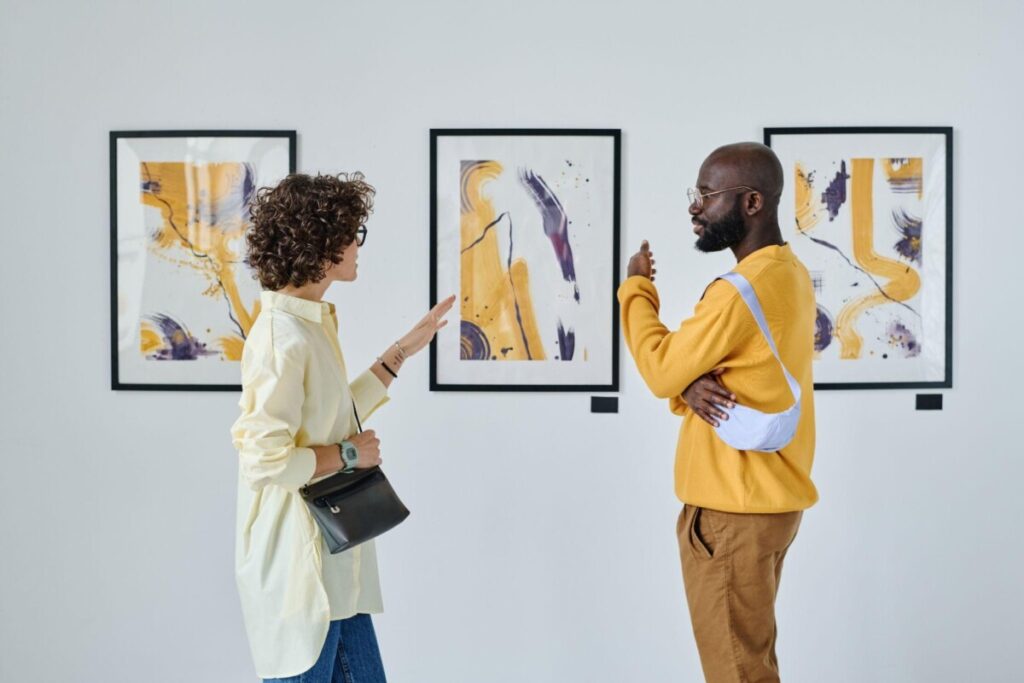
[754,203]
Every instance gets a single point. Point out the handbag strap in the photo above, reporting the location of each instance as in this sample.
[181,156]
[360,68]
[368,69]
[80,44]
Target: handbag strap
[359,423]
[746,291]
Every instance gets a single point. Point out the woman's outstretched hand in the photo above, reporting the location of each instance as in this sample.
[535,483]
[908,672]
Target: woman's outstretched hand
[424,331]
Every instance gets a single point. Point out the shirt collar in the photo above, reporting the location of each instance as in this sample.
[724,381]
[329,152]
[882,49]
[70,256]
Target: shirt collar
[313,311]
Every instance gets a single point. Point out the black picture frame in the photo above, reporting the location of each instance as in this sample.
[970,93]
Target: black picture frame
[115,383]
[616,135]
[947,133]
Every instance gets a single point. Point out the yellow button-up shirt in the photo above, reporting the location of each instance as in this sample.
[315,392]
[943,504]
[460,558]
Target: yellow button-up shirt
[295,394]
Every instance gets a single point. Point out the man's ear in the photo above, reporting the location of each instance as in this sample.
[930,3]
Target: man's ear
[754,204]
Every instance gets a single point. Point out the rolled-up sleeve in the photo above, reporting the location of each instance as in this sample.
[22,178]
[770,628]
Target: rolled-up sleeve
[264,434]
[369,393]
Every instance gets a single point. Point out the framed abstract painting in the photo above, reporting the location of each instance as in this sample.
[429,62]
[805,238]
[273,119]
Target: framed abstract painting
[182,298]
[869,211]
[525,231]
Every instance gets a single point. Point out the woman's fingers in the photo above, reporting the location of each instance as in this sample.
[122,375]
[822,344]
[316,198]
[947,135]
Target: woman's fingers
[444,306]
[438,312]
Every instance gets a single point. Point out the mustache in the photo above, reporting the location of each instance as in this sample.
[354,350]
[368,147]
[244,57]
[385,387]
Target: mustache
[700,222]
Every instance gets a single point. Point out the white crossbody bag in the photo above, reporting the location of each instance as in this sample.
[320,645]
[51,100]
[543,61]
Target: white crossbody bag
[748,429]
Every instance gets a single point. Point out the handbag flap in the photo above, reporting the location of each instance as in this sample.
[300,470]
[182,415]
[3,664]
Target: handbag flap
[336,483]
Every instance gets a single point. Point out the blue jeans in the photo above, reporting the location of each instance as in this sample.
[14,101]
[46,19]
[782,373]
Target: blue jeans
[350,655]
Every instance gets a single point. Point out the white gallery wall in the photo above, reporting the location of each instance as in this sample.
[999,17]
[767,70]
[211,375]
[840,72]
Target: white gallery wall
[541,546]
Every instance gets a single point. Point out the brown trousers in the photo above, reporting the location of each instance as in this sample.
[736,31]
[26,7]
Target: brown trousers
[732,564]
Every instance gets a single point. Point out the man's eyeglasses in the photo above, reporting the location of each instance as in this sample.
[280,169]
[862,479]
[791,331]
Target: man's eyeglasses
[360,235]
[697,197]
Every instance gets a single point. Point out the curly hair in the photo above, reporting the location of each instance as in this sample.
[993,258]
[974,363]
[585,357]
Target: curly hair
[302,224]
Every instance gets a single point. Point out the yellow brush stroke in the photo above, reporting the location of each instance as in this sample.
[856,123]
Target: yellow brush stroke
[806,216]
[183,187]
[149,340]
[488,299]
[521,281]
[904,282]
[231,347]
[909,168]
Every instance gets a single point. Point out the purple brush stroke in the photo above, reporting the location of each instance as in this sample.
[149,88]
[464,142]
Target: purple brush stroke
[556,224]
[823,329]
[179,342]
[910,227]
[834,195]
[234,204]
[566,342]
[474,343]
[910,185]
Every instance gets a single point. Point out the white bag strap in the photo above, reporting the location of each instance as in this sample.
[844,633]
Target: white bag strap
[750,298]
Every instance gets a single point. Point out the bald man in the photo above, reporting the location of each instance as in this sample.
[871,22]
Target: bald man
[741,509]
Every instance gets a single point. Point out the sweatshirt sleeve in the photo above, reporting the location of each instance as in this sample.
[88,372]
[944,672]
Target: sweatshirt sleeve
[670,361]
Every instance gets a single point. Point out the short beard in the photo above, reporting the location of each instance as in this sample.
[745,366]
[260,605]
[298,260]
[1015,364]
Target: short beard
[723,234]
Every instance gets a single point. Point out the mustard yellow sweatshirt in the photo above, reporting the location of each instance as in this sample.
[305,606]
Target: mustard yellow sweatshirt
[723,334]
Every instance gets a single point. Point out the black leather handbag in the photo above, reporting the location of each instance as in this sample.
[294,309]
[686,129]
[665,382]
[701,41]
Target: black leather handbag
[354,507]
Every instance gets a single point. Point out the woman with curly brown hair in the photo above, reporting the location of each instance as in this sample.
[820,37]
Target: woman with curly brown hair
[307,611]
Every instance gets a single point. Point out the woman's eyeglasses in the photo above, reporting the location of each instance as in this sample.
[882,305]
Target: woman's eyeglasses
[361,235]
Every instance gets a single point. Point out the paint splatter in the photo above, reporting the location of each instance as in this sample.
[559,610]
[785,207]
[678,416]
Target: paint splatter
[556,223]
[824,328]
[566,342]
[178,342]
[903,340]
[474,344]
[910,227]
[834,195]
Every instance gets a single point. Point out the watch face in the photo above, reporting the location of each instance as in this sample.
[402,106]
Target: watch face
[351,454]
